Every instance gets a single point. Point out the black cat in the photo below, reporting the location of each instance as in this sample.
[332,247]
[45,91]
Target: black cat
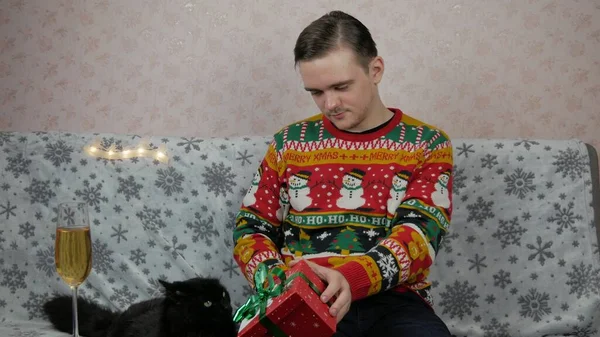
[198,307]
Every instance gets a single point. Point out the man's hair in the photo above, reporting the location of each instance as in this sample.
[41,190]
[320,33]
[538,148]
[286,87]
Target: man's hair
[331,31]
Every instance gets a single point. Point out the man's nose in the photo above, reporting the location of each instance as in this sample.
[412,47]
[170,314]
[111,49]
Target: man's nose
[332,101]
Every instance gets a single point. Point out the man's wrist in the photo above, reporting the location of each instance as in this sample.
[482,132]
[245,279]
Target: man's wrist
[357,278]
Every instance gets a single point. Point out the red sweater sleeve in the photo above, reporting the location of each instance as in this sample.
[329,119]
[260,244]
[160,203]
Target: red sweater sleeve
[419,224]
[257,234]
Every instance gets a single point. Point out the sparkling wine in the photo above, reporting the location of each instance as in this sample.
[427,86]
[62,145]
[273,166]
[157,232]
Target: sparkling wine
[73,254]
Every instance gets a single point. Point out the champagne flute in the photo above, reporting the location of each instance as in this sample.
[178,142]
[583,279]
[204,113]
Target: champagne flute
[73,249]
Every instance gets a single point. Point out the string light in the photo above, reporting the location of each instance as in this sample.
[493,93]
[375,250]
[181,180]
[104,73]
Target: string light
[143,149]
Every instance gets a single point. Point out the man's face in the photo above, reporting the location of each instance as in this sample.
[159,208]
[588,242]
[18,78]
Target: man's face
[341,88]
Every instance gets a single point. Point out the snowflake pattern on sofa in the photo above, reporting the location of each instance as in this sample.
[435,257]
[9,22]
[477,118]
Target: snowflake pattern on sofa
[18,165]
[459,299]
[219,179]
[512,220]
[571,163]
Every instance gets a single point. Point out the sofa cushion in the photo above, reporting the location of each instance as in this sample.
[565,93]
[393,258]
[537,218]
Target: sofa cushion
[521,257]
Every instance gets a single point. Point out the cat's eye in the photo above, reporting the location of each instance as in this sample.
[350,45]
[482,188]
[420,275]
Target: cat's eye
[224,294]
[207,304]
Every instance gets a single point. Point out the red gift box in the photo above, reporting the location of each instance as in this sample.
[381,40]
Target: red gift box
[297,312]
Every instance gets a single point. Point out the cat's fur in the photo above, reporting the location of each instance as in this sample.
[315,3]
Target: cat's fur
[198,307]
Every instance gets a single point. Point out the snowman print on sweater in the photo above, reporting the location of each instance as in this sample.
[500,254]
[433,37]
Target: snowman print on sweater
[284,203]
[398,190]
[352,190]
[440,197]
[299,190]
[250,197]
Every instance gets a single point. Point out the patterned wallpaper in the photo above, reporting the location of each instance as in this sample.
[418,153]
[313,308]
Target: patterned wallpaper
[478,68]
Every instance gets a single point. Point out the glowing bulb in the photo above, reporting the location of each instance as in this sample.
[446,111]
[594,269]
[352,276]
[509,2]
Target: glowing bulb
[140,150]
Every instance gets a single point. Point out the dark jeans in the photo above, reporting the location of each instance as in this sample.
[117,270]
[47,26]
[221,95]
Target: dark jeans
[391,314]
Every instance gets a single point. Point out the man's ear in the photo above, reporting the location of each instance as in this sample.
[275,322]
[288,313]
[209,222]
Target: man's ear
[376,69]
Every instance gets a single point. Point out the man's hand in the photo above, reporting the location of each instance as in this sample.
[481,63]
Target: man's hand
[337,285]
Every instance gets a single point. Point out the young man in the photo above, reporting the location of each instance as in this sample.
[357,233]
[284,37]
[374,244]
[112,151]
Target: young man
[361,191]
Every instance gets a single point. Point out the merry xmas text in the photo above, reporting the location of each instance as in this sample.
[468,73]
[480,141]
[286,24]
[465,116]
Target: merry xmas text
[305,158]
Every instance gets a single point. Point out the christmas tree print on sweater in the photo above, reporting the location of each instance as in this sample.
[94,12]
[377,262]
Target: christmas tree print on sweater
[346,241]
[302,246]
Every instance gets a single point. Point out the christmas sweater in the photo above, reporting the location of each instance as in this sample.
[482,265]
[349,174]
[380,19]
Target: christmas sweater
[374,206]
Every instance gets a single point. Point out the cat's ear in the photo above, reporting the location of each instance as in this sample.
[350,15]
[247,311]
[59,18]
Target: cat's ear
[169,288]
[165,284]
[171,291]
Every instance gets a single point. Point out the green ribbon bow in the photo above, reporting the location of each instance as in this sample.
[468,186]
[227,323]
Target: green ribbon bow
[258,301]
[266,288]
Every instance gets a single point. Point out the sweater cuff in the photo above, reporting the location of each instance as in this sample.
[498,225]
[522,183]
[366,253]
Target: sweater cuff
[357,277]
[269,263]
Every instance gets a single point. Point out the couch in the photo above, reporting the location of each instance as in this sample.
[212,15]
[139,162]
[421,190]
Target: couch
[521,257]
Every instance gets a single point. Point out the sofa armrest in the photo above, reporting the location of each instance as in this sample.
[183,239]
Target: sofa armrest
[595,173]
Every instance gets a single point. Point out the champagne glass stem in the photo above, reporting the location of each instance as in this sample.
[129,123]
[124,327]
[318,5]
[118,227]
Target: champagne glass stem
[75,320]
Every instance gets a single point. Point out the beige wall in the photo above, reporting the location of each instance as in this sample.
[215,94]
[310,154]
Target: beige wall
[477,68]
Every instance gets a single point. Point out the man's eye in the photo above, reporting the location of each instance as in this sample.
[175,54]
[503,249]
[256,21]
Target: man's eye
[315,93]
[342,88]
